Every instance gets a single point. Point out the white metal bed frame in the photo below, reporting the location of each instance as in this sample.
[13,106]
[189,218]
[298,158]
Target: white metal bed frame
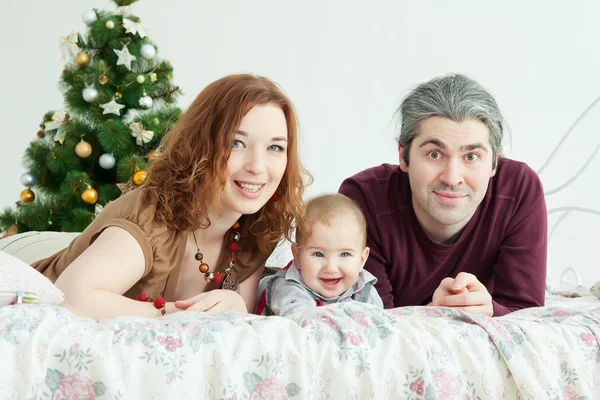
[565,211]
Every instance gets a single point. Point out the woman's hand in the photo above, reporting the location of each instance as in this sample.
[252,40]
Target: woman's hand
[465,293]
[170,308]
[218,300]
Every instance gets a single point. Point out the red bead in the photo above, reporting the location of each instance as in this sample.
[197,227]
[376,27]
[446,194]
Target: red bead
[159,303]
[275,197]
[233,246]
[218,277]
[143,297]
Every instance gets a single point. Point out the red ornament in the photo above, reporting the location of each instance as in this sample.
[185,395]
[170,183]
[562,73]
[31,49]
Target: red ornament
[159,303]
[275,197]
[218,277]
[233,247]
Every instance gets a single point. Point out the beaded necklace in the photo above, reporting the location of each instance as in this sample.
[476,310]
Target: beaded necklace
[226,276]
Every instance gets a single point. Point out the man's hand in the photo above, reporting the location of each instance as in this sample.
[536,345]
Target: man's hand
[465,293]
[218,300]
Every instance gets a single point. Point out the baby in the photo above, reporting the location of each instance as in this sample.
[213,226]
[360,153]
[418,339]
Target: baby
[329,256]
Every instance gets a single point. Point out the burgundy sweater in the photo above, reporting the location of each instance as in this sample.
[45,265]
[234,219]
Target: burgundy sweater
[504,244]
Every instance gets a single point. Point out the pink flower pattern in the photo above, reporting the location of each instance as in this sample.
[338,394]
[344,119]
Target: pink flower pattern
[329,322]
[362,319]
[570,394]
[171,344]
[398,311]
[429,312]
[561,313]
[75,387]
[447,384]
[417,386]
[354,339]
[587,338]
[270,389]
[496,330]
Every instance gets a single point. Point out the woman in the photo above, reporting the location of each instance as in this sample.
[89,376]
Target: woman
[225,189]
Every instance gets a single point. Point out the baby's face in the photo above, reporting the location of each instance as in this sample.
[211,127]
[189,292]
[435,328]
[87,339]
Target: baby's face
[332,257]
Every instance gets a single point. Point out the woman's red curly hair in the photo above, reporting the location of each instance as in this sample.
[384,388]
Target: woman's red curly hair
[189,174]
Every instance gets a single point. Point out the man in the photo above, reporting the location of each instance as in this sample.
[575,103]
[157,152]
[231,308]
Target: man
[454,224]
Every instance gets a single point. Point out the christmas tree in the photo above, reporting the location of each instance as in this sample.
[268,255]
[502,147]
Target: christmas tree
[119,102]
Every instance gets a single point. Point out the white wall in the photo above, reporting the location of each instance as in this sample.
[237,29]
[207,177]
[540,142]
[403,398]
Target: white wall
[346,65]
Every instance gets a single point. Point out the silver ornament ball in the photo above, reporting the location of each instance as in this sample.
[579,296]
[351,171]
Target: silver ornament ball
[89,17]
[110,24]
[140,79]
[107,161]
[90,94]
[148,51]
[145,102]
[27,179]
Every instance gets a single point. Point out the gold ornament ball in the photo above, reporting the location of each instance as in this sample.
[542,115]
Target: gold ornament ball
[89,196]
[27,196]
[83,149]
[139,177]
[82,59]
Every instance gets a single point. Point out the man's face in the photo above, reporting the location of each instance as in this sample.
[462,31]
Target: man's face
[450,164]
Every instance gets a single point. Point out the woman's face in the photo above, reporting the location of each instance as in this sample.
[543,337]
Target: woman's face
[258,159]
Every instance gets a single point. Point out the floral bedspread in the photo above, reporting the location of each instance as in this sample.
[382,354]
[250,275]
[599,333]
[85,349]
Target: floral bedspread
[350,351]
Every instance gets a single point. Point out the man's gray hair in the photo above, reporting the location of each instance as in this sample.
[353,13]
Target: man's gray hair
[455,97]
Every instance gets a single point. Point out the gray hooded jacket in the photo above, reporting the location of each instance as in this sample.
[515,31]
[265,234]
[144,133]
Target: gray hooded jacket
[285,293]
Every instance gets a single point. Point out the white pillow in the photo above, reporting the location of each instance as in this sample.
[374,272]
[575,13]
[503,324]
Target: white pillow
[595,289]
[20,282]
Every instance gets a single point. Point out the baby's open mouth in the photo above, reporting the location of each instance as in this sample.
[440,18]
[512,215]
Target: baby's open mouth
[331,281]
